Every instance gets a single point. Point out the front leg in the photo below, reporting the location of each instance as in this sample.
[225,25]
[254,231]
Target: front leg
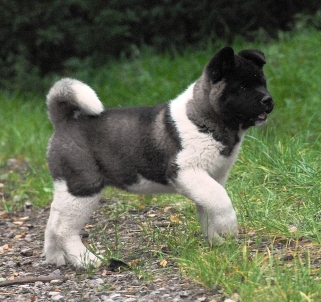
[215,209]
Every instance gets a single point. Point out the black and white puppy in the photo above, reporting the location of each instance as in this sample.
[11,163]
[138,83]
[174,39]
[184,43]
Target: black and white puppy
[187,146]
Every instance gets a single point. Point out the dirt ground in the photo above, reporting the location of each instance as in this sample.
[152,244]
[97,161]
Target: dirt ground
[142,276]
[30,279]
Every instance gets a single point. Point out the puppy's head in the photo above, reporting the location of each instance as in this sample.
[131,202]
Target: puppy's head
[236,87]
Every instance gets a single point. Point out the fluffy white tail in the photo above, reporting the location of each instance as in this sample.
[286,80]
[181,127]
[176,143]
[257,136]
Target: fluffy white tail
[68,96]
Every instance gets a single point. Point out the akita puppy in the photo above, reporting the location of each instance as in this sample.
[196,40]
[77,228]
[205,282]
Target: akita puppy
[185,146]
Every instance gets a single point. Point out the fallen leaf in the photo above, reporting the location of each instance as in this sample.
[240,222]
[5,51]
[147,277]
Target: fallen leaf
[305,296]
[23,235]
[24,218]
[175,219]
[106,273]
[134,262]
[89,226]
[4,215]
[251,233]
[292,229]
[166,209]
[6,247]
[236,297]
[163,263]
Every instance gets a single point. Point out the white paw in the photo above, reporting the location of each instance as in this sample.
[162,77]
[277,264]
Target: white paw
[52,251]
[84,260]
[57,259]
[217,226]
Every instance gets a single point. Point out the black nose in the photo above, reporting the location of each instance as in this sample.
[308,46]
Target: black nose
[268,102]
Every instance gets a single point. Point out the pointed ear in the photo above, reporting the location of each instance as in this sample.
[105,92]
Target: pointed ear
[254,55]
[222,63]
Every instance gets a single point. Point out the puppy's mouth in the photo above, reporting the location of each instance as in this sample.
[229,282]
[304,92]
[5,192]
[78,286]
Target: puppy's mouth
[261,119]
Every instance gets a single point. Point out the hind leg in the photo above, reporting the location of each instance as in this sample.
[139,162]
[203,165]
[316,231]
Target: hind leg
[68,215]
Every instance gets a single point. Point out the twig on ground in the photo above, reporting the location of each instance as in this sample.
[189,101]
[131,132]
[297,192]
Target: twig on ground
[31,279]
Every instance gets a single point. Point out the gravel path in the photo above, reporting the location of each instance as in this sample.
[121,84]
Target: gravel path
[24,277]
[21,243]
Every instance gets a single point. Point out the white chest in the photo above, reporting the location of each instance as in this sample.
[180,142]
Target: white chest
[203,152]
[200,150]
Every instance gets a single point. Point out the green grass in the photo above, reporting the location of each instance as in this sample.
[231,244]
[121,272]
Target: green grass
[275,185]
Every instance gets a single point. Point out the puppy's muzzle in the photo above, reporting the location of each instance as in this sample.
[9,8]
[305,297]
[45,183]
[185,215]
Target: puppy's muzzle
[268,103]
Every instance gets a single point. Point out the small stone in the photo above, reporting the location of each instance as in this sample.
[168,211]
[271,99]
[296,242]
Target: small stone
[184,294]
[53,293]
[21,298]
[11,263]
[27,252]
[105,298]
[166,296]
[95,283]
[3,177]
[28,205]
[87,296]
[287,258]
[277,251]
[292,229]
[57,281]
[12,162]
[11,234]
[24,289]
[26,262]
[28,238]
[16,199]
[236,297]
[56,272]
[57,298]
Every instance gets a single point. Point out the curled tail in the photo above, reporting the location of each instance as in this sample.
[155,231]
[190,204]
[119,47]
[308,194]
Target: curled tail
[67,97]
